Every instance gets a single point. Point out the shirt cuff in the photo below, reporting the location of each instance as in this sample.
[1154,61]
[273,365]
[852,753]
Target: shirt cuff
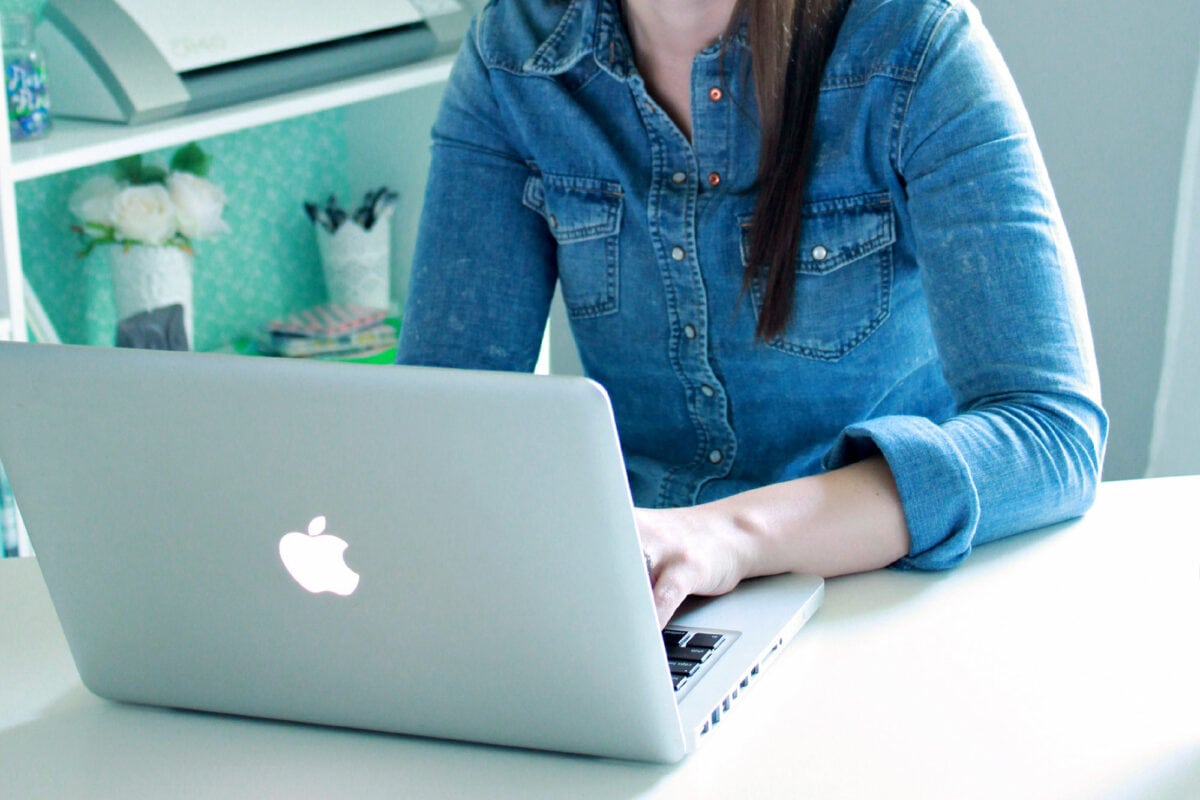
[941,503]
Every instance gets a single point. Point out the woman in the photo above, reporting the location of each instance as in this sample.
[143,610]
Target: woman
[827,287]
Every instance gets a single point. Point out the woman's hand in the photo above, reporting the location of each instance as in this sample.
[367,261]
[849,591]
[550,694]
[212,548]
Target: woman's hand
[844,521]
[690,551]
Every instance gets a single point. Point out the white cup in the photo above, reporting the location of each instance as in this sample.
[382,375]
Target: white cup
[358,263]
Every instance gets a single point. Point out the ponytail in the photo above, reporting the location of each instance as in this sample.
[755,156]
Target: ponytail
[788,63]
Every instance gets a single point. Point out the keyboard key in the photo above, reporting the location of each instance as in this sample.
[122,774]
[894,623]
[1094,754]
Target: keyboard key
[683,667]
[679,681]
[707,641]
[672,637]
[696,654]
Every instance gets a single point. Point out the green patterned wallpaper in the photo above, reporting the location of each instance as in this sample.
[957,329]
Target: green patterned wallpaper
[267,266]
[21,6]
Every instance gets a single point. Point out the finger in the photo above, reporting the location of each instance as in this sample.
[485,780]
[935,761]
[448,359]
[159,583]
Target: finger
[669,594]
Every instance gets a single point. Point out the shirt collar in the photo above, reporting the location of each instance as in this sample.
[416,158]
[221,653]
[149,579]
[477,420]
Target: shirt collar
[595,26]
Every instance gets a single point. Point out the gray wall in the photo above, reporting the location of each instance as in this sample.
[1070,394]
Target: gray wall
[389,146]
[1109,86]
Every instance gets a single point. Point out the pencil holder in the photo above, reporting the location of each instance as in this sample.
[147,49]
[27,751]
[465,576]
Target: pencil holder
[357,263]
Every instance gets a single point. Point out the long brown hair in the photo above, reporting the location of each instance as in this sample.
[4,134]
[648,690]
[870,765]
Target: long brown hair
[790,42]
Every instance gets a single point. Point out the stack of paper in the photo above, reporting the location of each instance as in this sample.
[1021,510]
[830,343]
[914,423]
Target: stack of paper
[331,330]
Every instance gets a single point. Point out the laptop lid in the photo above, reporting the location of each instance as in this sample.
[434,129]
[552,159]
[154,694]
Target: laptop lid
[493,589]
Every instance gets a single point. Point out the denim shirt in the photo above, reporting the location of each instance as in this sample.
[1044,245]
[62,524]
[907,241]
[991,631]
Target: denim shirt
[938,317]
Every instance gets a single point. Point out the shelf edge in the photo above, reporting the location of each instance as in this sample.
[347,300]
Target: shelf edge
[32,160]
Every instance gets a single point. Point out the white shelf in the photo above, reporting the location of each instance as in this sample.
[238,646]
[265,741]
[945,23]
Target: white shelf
[73,143]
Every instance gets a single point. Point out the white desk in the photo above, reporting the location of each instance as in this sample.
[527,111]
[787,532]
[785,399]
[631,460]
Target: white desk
[1059,664]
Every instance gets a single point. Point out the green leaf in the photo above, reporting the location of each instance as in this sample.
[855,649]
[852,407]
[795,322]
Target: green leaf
[152,175]
[129,169]
[191,158]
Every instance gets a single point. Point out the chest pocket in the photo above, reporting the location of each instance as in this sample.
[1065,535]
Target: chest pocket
[584,216]
[843,275]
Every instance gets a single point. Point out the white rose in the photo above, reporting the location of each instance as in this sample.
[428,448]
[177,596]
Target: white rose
[145,214]
[93,201]
[199,205]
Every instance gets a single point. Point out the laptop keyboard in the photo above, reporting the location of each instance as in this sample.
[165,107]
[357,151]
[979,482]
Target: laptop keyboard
[689,652]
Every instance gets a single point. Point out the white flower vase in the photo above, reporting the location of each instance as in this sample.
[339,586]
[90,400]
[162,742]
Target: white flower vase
[357,263]
[146,278]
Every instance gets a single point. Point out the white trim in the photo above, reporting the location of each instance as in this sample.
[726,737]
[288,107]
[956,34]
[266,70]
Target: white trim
[1167,441]
[39,322]
[76,143]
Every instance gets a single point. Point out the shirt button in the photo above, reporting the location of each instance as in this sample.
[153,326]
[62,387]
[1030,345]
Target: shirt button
[819,253]
[714,179]
[707,390]
[678,178]
[678,253]
[689,331]
[715,94]
[716,456]
[553,221]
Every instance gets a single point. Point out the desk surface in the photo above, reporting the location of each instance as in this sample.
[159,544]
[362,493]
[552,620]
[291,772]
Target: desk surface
[1063,663]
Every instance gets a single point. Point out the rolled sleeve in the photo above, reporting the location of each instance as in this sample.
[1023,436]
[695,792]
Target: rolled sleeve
[941,502]
[1025,444]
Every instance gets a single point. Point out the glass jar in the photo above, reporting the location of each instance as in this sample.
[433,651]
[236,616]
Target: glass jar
[8,519]
[24,79]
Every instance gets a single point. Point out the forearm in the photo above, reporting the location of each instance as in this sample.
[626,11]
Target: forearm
[843,521]
[840,522]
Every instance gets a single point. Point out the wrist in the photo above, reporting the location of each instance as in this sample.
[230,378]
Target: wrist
[745,534]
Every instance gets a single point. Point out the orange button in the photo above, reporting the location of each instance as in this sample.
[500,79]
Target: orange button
[715,94]
[714,179]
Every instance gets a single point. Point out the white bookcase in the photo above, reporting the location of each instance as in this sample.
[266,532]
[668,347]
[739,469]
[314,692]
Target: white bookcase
[73,144]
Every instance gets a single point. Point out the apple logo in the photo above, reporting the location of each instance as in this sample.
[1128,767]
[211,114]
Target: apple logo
[315,560]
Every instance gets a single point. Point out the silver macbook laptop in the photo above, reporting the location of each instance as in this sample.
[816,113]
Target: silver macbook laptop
[421,551]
